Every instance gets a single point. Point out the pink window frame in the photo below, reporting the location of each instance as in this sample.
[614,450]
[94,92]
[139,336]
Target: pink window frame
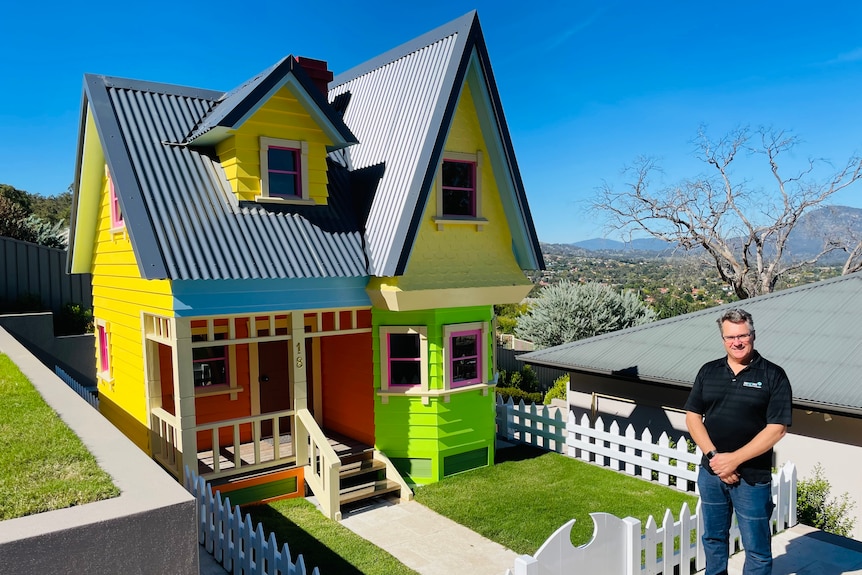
[389,359]
[297,157]
[453,359]
[471,189]
[116,212]
[104,357]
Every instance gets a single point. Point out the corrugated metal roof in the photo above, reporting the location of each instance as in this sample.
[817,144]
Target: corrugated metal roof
[186,223]
[400,107]
[814,332]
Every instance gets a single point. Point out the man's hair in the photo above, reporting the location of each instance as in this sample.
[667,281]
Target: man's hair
[736,315]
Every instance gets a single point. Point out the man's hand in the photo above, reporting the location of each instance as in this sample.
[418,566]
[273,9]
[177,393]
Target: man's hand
[723,464]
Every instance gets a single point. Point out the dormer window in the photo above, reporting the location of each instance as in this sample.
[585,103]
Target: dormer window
[459,197]
[283,170]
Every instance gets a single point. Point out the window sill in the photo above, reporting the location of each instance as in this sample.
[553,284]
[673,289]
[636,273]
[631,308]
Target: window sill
[284,201]
[443,221]
[213,390]
[427,394]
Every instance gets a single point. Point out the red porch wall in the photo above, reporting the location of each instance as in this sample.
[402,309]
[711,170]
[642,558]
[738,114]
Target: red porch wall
[221,407]
[348,385]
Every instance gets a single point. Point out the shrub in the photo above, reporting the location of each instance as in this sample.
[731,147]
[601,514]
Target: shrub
[73,319]
[519,394]
[559,390]
[815,508]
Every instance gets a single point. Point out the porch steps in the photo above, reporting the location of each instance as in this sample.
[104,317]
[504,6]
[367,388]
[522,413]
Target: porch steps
[362,477]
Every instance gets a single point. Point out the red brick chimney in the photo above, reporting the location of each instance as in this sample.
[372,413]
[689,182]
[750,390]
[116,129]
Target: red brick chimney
[318,72]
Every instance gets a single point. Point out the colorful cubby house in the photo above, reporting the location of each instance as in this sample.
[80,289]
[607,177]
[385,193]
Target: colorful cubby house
[294,281]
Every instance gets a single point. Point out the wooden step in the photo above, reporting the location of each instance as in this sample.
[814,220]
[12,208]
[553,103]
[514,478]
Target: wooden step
[361,467]
[368,490]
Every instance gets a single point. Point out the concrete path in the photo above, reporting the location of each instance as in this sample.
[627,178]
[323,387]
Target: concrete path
[427,542]
[803,550]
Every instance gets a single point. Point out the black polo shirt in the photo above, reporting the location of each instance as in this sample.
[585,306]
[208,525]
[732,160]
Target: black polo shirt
[737,407]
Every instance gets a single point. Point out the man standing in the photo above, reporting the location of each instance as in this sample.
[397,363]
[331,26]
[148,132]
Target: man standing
[738,409]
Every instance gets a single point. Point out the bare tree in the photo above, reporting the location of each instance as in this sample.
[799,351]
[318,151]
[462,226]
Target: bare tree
[741,228]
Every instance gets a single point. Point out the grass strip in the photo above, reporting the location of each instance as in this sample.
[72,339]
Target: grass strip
[322,542]
[530,493]
[43,464]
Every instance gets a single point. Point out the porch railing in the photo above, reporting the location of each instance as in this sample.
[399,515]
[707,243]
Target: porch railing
[242,452]
[322,465]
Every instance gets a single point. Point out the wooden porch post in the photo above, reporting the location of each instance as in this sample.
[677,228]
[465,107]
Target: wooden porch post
[184,393]
[297,360]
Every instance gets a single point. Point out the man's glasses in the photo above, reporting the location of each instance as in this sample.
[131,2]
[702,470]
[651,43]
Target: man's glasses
[741,337]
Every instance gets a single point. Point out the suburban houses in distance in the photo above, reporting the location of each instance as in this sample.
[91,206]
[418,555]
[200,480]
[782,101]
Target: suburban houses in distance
[305,264]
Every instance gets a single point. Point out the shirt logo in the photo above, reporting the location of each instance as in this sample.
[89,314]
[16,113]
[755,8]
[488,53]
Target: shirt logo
[754,384]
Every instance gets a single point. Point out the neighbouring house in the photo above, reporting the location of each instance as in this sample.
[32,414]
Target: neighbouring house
[304,267]
[642,375]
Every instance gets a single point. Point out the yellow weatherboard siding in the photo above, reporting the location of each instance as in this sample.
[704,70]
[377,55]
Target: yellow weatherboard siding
[459,263]
[282,117]
[119,297]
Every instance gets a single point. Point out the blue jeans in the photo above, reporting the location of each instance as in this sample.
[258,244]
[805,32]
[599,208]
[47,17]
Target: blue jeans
[753,505]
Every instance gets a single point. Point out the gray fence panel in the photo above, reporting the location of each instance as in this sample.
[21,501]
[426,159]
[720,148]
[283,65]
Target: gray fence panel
[31,269]
[507,361]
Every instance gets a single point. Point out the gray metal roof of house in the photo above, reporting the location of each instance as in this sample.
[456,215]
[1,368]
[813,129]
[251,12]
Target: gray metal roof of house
[180,213]
[185,223]
[814,332]
[400,107]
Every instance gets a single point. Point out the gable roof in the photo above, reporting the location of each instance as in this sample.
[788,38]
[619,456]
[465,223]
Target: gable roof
[813,331]
[414,90]
[182,218]
[184,222]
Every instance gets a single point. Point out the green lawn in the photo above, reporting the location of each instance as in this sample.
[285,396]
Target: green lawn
[322,542]
[518,503]
[529,494]
[43,464]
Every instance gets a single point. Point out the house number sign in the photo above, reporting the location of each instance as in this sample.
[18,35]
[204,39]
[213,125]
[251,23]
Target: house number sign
[299,362]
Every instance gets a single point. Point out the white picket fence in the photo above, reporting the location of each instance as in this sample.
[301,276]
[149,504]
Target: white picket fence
[663,461]
[86,394]
[240,547]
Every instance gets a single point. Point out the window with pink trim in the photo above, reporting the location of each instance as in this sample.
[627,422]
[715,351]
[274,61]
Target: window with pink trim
[283,169]
[104,351]
[465,358]
[458,188]
[116,211]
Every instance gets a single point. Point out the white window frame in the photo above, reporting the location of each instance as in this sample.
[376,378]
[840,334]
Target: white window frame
[422,332]
[302,147]
[484,371]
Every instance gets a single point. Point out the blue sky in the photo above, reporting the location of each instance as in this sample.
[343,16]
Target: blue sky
[587,86]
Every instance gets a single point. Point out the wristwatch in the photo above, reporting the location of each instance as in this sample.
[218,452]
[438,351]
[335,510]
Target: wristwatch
[711,454]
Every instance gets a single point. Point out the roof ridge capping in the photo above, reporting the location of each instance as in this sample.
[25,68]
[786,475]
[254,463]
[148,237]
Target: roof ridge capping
[462,24]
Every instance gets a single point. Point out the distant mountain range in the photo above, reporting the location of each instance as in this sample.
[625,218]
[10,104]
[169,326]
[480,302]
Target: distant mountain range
[806,239]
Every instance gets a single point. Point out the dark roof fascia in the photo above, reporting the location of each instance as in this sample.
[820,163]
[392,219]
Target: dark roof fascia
[441,122]
[76,183]
[509,149]
[229,114]
[151,262]
[158,87]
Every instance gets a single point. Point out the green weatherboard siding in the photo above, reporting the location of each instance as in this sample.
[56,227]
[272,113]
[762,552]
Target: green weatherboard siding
[428,441]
